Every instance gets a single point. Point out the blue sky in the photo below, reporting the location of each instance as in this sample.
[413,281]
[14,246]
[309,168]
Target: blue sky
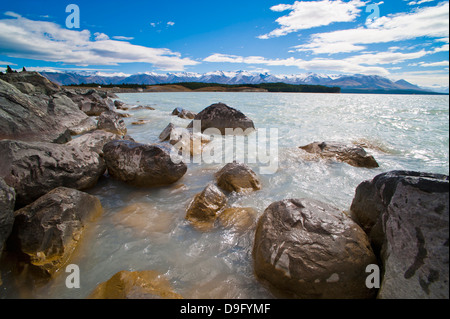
[408,40]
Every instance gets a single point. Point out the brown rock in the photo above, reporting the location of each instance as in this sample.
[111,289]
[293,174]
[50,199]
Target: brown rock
[239,218]
[236,177]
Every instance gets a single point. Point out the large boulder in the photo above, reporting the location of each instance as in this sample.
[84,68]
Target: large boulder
[406,215]
[221,116]
[206,207]
[31,83]
[238,218]
[34,169]
[351,154]
[93,141]
[27,118]
[7,201]
[92,103]
[112,122]
[308,249]
[135,285]
[142,165]
[48,230]
[237,177]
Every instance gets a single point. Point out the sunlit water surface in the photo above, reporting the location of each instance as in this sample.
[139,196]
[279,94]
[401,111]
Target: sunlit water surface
[145,229]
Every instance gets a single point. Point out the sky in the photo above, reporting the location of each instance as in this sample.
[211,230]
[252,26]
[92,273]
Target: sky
[398,39]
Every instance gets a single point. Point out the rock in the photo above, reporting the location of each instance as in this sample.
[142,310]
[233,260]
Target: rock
[120,105]
[205,207]
[310,250]
[142,165]
[92,103]
[184,114]
[93,141]
[140,107]
[351,154]
[165,134]
[406,215]
[27,118]
[140,122]
[111,122]
[239,218]
[34,169]
[48,230]
[7,201]
[221,116]
[236,177]
[31,82]
[184,139]
[135,285]
[86,125]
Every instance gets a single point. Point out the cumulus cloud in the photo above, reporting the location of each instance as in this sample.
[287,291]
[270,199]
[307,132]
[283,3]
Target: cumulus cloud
[47,41]
[431,22]
[310,14]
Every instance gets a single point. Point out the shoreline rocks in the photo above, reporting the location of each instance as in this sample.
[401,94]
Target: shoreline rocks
[142,165]
[49,230]
[351,154]
[308,249]
[34,169]
[220,116]
[112,122]
[236,177]
[184,114]
[406,215]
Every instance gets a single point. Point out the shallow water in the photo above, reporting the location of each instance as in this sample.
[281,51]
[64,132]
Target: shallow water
[145,229]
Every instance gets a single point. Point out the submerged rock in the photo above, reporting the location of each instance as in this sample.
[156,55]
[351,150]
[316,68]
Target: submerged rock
[239,218]
[351,154]
[236,177]
[142,165]
[48,230]
[7,201]
[135,285]
[112,122]
[308,249]
[184,139]
[221,117]
[205,207]
[406,215]
[34,169]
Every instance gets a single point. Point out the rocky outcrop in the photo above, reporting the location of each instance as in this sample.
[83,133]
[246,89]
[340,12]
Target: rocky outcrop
[112,122]
[184,114]
[142,165]
[351,154]
[92,103]
[48,230]
[205,207]
[31,83]
[33,169]
[308,249]
[27,118]
[406,215]
[7,201]
[221,117]
[135,285]
[93,141]
[237,177]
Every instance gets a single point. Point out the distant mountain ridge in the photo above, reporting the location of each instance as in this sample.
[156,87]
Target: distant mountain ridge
[348,83]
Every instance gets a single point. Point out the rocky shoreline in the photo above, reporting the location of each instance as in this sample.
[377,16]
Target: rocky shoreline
[55,143]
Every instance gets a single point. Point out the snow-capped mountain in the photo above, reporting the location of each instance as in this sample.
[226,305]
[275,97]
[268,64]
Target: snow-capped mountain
[345,82]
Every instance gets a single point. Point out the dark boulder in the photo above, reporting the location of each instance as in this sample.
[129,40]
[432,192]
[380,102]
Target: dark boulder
[112,122]
[7,201]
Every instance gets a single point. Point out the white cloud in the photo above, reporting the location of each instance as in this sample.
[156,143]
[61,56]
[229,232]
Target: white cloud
[431,22]
[47,41]
[413,3]
[12,14]
[6,63]
[433,64]
[170,23]
[122,38]
[310,14]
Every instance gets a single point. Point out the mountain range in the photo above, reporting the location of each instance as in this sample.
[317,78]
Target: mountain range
[357,83]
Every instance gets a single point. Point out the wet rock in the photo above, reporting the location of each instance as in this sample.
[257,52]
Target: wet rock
[351,154]
[142,165]
[7,201]
[140,107]
[34,169]
[140,122]
[184,114]
[93,141]
[308,249]
[166,133]
[111,122]
[236,177]
[48,230]
[221,116]
[27,118]
[239,218]
[184,139]
[406,215]
[135,285]
[205,207]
